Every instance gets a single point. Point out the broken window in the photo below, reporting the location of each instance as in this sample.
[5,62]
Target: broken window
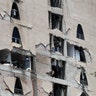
[55,21]
[18,58]
[59,90]
[16,36]
[18,87]
[56,3]
[21,61]
[58,68]
[56,44]
[77,52]
[5,56]
[80,33]
[14,11]
[83,77]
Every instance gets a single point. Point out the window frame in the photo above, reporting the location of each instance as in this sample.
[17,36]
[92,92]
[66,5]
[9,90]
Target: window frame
[16,36]
[15,11]
[80,33]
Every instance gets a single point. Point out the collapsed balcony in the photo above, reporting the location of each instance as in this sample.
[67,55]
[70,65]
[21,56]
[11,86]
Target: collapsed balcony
[17,58]
[55,21]
[58,68]
[21,61]
[55,3]
[56,44]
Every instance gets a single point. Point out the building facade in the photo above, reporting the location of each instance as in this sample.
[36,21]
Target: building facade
[47,48]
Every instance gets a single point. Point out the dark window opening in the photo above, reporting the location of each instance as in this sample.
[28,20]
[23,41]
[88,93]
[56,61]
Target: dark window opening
[58,68]
[55,21]
[14,11]
[17,58]
[56,44]
[79,53]
[18,87]
[5,56]
[21,61]
[17,1]
[16,36]
[55,3]
[84,94]
[32,63]
[83,77]
[59,90]
[80,33]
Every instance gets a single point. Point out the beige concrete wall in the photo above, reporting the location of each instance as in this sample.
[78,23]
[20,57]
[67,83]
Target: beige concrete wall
[24,25]
[34,30]
[8,79]
[75,12]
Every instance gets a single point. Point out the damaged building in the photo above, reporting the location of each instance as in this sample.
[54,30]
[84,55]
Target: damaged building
[47,48]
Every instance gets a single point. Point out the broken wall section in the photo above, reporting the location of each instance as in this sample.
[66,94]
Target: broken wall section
[18,59]
[23,26]
[78,53]
[8,84]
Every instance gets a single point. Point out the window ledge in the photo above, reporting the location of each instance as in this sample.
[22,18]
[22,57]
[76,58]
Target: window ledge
[56,10]
[9,68]
[76,62]
[16,45]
